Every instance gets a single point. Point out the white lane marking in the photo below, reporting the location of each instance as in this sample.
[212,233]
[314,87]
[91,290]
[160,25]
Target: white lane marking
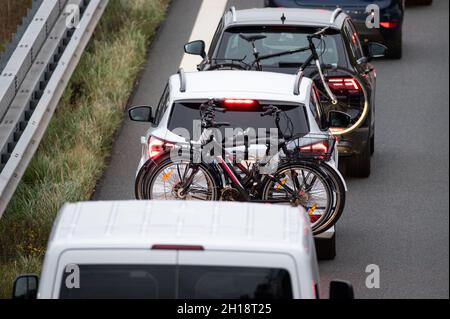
[209,15]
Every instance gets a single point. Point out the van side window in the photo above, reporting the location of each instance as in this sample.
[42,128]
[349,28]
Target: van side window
[162,106]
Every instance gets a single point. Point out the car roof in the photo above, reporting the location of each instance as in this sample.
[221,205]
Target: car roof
[213,225]
[294,16]
[256,85]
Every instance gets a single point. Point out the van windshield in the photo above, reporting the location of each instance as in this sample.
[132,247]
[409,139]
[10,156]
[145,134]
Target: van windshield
[177,282]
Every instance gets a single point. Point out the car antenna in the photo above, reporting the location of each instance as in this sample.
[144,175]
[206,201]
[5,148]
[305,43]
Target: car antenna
[283,18]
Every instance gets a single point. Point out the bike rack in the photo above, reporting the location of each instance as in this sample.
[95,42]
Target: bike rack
[233,13]
[335,14]
[298,82]
[182,75]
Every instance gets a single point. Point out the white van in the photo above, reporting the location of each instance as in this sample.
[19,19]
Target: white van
[182,250]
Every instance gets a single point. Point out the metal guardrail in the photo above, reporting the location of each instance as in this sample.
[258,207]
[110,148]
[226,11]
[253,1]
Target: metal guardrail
[34,78]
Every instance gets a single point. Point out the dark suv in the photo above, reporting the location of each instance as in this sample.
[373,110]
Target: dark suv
[349,73]
[388,32]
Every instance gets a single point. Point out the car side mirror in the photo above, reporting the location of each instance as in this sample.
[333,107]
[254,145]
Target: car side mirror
[196,48]
[338,119]
[26,287]
[142,113]
[375,50]
[341,290]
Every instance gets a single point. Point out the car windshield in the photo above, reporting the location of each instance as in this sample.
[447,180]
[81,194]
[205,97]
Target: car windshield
[184,116]
[278,39]
[178,282]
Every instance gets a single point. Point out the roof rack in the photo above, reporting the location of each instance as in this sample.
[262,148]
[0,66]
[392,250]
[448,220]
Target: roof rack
[182,75]
[298,82]
[233,13]
[335,14]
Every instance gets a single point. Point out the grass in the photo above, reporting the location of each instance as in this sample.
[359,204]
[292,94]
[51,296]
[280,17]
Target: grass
[73,153]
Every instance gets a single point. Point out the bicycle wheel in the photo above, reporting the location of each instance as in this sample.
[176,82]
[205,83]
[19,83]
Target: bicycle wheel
[166,179]
[339,198]
[311,189]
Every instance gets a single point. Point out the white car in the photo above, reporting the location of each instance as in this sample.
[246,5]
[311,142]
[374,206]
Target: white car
[244,95]
[178,249]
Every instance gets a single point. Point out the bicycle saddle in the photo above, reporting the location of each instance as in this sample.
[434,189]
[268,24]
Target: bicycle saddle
[252,37]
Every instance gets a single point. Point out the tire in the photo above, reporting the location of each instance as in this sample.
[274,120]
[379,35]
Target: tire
[419,2]
[359,166]
[395,47]
[340,196]
[372,145]
[147,188]
[335,200]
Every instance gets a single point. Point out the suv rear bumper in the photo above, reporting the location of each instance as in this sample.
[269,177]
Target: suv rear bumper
[354,143]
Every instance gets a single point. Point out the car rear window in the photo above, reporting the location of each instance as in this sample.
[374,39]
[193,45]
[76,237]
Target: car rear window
[178,282]
[279,39]
[184,114]
[121,282]
[234,283]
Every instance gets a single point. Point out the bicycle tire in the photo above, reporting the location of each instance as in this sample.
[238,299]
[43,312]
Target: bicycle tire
[165,161]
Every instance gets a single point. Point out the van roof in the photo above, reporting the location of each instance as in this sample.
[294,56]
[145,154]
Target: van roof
[213,225]
[257,85]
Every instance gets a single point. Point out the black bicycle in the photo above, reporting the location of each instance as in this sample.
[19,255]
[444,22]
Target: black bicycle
[297,174]
[239,64]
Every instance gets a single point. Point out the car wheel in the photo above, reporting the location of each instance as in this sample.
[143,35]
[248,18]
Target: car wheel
[419,2]
[395,47]
[359,166]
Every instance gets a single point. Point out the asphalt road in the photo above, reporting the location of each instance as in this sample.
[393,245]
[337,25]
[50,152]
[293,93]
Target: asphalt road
[399,218]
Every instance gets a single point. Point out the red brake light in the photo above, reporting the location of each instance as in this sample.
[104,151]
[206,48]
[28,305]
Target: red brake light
[178,247]
[389,25]
[343,83]
[318,148]
[156,147]
[240,102]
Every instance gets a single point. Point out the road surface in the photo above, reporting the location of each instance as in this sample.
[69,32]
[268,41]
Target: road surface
[398,219]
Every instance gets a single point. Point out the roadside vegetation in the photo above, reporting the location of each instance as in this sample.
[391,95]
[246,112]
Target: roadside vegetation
[11,14]
[73,153]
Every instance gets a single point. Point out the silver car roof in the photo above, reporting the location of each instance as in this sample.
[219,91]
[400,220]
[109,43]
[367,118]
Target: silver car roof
[293,16]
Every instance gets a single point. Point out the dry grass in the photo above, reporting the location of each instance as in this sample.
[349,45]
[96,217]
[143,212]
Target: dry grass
[72,155]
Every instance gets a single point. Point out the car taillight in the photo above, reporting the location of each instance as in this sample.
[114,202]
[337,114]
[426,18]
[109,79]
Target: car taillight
[317,148]
[347,83]
[389,25]
[156,147]
[178,247]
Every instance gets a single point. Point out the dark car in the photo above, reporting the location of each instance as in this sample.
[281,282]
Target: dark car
[419,2]
[350,74]
[389,31]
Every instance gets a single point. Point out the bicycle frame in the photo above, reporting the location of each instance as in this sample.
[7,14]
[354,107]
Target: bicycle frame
[227,167]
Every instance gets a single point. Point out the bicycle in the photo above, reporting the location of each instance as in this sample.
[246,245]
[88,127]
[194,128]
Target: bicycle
[302,177]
